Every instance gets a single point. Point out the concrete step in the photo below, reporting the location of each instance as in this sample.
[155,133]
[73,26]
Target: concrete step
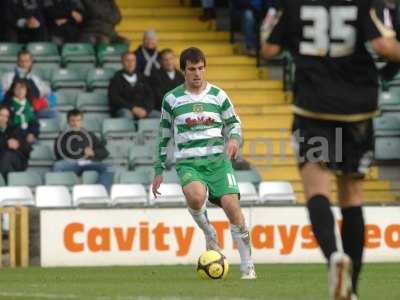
[181,36]
[270,122]
[147,3]
[163,23]
[156,12]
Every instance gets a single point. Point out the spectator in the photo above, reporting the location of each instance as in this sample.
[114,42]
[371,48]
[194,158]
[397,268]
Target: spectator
[129,94]
[14,150]
[64,18]
[147,54]
[24,21]
[166,78]
[78,150]
[22,114]
[101,16]
[208,10]
[38,89]
[252,13]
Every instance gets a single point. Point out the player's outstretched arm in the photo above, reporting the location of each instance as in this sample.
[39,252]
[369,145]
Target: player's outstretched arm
[165,134]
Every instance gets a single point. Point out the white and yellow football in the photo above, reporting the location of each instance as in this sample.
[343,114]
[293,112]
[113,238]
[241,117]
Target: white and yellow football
[212,265]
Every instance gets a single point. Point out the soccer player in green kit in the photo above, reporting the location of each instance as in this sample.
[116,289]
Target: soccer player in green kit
[195,116]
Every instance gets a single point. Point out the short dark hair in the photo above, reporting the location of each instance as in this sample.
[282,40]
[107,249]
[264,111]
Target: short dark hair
[192,54]
[21,81]
[74,113]
[165,51]
[24,51]
[126,53]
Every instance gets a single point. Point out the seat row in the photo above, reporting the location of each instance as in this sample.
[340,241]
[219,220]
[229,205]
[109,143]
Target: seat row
[71,53]
[133,195]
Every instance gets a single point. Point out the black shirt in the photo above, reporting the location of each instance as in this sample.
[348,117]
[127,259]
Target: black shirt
[336,77]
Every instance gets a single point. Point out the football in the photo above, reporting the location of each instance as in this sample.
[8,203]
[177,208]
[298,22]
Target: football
[212,265]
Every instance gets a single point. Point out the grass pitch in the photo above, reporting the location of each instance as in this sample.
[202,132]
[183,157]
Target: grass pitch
[275,282]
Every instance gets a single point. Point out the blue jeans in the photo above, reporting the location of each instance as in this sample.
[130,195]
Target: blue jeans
[126,113]
[49,113]
[249,29]
[105,172]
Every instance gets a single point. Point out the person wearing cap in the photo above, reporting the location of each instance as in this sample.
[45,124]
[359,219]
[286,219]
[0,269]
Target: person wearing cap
[147,55]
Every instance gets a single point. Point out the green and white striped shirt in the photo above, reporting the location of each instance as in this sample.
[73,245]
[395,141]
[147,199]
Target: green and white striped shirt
[196,122]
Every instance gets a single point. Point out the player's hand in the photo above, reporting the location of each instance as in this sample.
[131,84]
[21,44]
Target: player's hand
[89,152]
[232,149]
[77,16]
[139,112]
[156,185]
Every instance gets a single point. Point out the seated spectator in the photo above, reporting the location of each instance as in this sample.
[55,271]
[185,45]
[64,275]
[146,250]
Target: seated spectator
[208,10]
[22,114]
[129,94]
[252,13]
[24,21]
[38,89]
[78,150]
[101,17]
[147,54]
[166,78]
[64,19]
[14,150]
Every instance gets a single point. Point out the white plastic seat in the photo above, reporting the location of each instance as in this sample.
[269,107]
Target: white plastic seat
[128,195]
[171,195]
[276,192]
[16,195]
[90,195]
[53,196]
[248,193]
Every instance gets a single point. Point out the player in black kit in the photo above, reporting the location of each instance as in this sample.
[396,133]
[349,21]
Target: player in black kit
[335,99]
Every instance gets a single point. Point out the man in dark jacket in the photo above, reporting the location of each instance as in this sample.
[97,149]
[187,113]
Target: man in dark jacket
[101,17]
[166,78]
[14,150]
[24,21]
[147,54]
[129,94]
[64,19]
[78,150]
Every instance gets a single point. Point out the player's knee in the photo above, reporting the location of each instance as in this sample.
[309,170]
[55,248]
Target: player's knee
[196,199]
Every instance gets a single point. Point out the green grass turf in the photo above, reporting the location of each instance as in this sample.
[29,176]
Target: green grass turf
[275,282]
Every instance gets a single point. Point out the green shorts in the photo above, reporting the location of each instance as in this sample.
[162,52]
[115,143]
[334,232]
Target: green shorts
[215,172]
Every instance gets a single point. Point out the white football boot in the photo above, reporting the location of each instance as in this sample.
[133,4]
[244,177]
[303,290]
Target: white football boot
[340,272]
[248,272]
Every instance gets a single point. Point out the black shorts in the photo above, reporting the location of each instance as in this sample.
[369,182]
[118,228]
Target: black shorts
[342,147]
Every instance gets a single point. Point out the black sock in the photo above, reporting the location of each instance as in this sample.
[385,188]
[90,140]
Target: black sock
[323,223]
[353,239]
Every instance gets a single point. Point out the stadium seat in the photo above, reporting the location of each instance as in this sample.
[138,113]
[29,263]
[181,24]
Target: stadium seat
[49,128]
[92,124]
[16,195]
[149,128]
[78,55]
[389,101]
[99,79]
[2,181]
[171,195]
[29,179]
[8,54]
[52,196]
[128,195]
[89,177]
[141,155]
[92,102]
[66,100]
[68,179]
[118,153]
[387,124]
[44,72]
[41,156]
[279,192]
[387,148]
[170,176]
[118,128]
[45,54]
[248,193]
[133,177]
[68,79]
[90,195]
[248,176]
[109,55]
[149,170]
